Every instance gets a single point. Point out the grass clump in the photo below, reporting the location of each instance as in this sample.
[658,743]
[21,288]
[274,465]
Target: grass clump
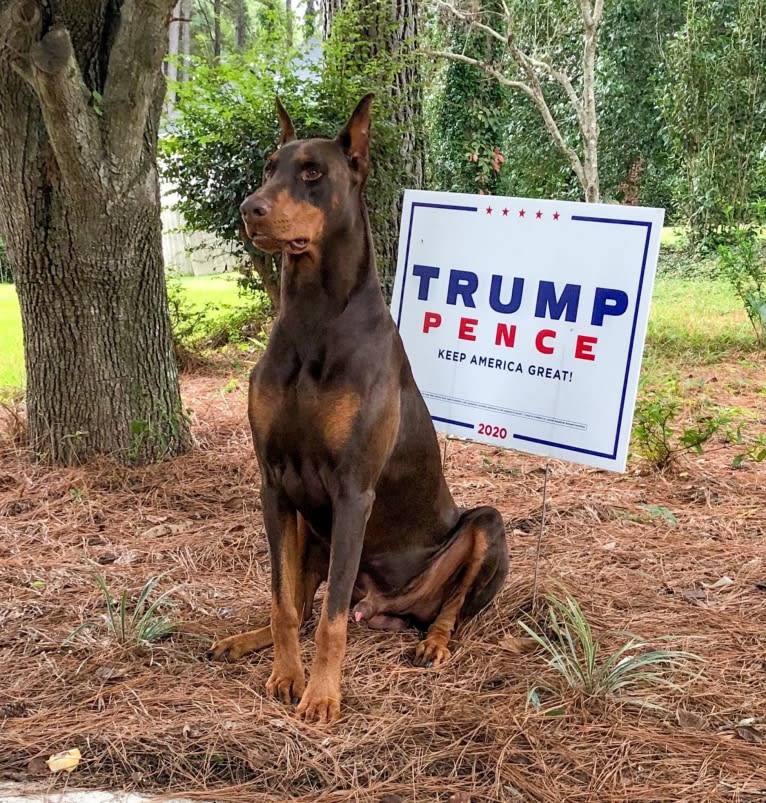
[133,624]
[571,649]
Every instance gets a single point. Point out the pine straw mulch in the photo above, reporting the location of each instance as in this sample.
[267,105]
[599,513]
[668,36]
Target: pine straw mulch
[166,719]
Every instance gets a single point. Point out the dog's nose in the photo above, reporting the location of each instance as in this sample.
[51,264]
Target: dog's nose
[254,207]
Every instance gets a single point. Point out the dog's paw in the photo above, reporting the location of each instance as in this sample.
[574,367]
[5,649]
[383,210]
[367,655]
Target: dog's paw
[320,704]
[234,647]
[432,651]
[229,649]
[286,686]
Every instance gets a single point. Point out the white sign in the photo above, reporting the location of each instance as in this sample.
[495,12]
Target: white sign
[524,320]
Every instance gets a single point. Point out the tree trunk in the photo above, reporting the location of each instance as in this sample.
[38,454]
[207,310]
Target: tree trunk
[186,13]
[241,25]
[80,193]
[217,37]
[388,34]
[329,7]
[171,64]
[589,118]
[407,106]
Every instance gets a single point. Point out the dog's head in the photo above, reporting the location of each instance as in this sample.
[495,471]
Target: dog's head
[311,187]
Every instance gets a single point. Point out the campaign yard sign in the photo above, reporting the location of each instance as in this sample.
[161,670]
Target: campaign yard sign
[524,320]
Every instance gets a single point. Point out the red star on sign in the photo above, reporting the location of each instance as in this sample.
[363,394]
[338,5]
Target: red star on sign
[505,213]
[522,212]
[538,214]
[489,210]
[556,216]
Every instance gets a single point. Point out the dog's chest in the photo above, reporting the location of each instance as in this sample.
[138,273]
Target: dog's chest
[303,417]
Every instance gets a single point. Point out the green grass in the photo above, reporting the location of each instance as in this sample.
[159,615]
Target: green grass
[697,320]
[11,347]
[201,290]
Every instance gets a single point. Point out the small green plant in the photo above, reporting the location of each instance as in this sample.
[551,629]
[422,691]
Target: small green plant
[661,512]
[186,320]
[756,452]
[743,264]
[572,650]
[655,434]
[199,328]
[133,623]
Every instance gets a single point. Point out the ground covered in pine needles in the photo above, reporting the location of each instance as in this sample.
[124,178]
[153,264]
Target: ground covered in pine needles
[680,553]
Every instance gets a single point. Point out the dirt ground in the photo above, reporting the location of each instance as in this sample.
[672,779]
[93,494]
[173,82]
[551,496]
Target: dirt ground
[681,554]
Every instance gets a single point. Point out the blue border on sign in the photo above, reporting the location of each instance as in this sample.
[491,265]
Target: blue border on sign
[454,208]
[452,421]
[648,225]
[416,204]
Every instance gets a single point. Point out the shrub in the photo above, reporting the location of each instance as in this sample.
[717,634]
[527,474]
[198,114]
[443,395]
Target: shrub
[743,264]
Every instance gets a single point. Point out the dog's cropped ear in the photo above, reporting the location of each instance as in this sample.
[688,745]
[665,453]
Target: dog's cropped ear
[355,136]
[286,128]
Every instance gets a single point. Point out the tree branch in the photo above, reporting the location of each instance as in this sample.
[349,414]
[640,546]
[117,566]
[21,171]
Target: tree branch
[533,90]
[598,10]
[482,65]
[562,79]
[49,66]
[480,26]
[134,69]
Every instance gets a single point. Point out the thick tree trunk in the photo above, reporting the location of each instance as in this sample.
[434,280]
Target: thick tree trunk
[407,103]
[388,34]
[79,190]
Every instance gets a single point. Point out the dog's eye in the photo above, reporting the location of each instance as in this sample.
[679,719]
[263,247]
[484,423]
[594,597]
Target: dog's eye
[310,174]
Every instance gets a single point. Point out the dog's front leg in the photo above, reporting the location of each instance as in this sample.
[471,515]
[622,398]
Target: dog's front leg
[321,700]
[286,551]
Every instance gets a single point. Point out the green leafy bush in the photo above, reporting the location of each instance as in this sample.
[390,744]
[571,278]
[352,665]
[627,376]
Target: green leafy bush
[743,264]
[712,100]
[225,125]
[656,434]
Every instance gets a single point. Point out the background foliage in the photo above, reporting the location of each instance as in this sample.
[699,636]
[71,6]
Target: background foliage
[680,89]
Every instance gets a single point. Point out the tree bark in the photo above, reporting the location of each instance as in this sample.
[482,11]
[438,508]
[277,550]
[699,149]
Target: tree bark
[241,25]
[408,167]
[186,13]
[78,182]
[174,46]
[388,36]
[217,36]
[329,7]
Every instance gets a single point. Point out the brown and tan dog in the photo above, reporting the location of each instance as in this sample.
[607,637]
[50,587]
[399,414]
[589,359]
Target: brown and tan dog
[352,486]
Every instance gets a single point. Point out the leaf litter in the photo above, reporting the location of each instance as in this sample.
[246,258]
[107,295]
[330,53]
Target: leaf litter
[160,717]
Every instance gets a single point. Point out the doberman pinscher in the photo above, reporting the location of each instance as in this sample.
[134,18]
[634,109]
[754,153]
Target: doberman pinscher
[352,486]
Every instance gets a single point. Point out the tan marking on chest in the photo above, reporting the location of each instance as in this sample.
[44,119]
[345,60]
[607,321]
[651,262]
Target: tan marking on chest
[336,416]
